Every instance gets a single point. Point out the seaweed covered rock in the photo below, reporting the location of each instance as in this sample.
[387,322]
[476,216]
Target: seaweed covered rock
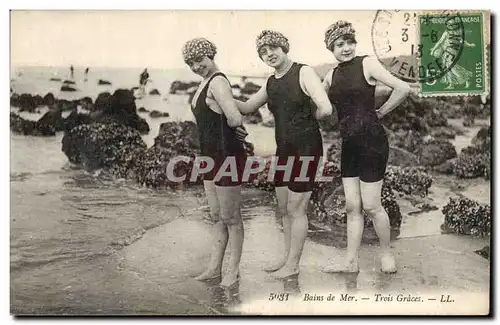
[409,180]
[26,127]
[25,102]
[443,132]
[472,162]
[400,157]
[409,140]
[154,169]
[52,119]
[75,119]
[120,108]
[435,152]
[483,138]
[100,145]
[174,139]
[154,92]
[467,217]
[103,101]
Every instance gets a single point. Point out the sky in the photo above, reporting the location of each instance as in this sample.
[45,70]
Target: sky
[155,38]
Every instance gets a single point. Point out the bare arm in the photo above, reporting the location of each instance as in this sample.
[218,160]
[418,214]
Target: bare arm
[315,89]
[253,104]
[221,90]
[400,91]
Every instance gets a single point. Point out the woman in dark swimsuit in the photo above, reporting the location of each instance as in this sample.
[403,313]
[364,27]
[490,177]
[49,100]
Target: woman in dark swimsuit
[365,149]
[219,125]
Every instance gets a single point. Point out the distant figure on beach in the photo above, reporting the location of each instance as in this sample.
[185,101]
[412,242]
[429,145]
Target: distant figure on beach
[290,94]
[71,72]
[143,80]
[85,74]
[221,134]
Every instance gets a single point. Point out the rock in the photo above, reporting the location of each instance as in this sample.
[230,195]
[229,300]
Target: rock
[25,102]
[483,137]
[38,100]
[25,127]
[121,109]
[408,180]
[435,152]
[86,103]
[68,88]
[154,92]
[103,82]
[143,110]
[250,88]
[484,252]
[179,86]
[69,82]
[467,217]
[75,119]
[55,79]
[174,139]
[65,105]
[443,132]
[20,125]
[402,158]
[446,167]
[51,120]
[103,101]
[111,146]
[157,114]
[472,162]
[49,99]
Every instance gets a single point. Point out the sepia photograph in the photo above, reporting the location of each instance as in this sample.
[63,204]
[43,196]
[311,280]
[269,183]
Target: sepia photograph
[250,162]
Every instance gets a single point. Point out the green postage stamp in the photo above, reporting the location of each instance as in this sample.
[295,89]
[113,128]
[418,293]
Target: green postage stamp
[442,53]
[453,53]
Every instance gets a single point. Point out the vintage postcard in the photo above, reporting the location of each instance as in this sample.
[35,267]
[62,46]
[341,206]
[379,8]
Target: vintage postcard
[250,162]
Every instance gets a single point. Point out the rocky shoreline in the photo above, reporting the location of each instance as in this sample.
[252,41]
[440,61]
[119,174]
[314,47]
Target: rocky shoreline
[109,137]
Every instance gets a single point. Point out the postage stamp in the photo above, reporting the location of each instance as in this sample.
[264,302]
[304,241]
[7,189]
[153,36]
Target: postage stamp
[457,44]
[441,53]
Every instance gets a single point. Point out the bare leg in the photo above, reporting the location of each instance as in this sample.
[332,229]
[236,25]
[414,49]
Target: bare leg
[230,200]
[296,212]
[372,203]
[220,235]
[282,196]
[355,227]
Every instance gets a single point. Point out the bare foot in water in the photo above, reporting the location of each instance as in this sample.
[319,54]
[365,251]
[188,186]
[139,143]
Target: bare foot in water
[208,275]
[285,272]
[388,263]
[349,266]
[274,267]
[230,279]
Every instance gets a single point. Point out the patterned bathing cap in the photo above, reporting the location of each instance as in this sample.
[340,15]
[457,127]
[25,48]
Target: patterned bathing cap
[198,48]
[273,38]
[336,30]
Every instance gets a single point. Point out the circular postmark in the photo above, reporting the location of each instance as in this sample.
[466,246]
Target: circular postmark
[418,47]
